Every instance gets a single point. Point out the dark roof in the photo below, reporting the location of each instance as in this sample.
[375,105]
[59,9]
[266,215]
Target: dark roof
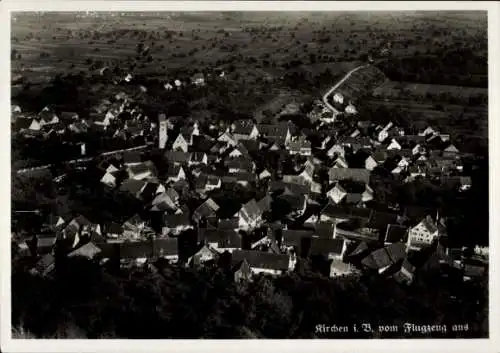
[334,211]
[294,237]
[136,250]
[395,233]
[258,259]
[177,156]
[132,157]
[132,186]
[197,156]
[206,209]
[323,246]
[165,247]
[176,220]
[225,238]
[240,163]
[356,174]
[230,223]
[142,167]
[265,203]
[324,229]
[243,127]
[274,130]
[251,209]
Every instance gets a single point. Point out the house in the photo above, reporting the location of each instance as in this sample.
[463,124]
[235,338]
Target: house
[89,251]
[242,178]
[337,193]
[175,173]
[370,163]
[339,268]
[109,179]
[135,253]
[422,234]
[332,249]
[175,224]
[166,248]
[133,187]
[262,262]
[44,243]
[45,265]
[294,238]
[133,227]
[265,174]
[208,209]
[338,98]
[250,215]
[382,259]
[164,201]
[340,162]
[276,133]
[228,139]
[405,272]
[181,143]
[198,79]
[297,203]
[242,272]
[428,131]
[300,146]
[239,165]
[354,174]
[220,240]
[141,171]
[393,145]
[239,151]
[244,130]
[384,132]
[177,157]
[395,233]
[350,109]
[450,151]
[131,158]
[113,231]
[198,158]
[205,255]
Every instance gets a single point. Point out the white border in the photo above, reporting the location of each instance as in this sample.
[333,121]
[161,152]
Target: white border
[485,345]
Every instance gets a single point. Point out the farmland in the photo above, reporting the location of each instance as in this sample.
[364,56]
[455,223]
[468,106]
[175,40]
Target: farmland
[397,90]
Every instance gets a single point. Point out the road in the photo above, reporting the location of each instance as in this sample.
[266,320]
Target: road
[330,91]
[81,160]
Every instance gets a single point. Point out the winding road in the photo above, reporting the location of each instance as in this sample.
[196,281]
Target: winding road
[330,91]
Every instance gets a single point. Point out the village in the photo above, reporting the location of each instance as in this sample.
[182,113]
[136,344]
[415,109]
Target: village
[307,202]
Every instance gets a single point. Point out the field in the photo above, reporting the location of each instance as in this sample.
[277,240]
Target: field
[397,90]
[50,43]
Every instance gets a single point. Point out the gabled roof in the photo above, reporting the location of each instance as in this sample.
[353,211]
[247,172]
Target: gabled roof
[206,209]
[265,203]
[262,260]
[88,250]
[197,157]
[356,174]
[251,209]
[429,224]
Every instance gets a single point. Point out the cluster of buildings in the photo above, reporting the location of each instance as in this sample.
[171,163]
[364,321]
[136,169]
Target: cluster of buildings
[312,200]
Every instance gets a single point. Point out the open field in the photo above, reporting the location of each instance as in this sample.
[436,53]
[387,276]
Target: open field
[177,40]
[395,90]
